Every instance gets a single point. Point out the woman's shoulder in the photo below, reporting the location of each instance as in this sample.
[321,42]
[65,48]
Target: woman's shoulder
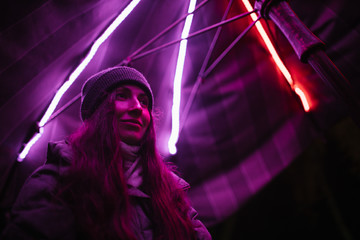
[44,178]
[36,206]
[59,151]
[58,160]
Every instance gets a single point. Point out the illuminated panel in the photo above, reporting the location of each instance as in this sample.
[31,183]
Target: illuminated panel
[276,57]
[74,76]
[175,111]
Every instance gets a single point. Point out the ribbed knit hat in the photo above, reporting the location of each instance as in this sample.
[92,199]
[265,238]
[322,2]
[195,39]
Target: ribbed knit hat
[94,89]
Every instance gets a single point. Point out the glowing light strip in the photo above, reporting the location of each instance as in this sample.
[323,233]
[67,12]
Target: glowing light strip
[268,43]
[27,147]
[127,10]
[175,111]
[303,99]
[276,57]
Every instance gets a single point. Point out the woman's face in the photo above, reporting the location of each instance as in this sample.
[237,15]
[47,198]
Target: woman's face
[131,109]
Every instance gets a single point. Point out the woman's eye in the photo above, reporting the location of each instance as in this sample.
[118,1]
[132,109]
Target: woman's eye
[120,95]
[144,102]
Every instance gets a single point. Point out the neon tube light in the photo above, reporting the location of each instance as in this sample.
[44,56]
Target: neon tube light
[119,19]
[303,99]
[27,147]
[175,111]
[276,57]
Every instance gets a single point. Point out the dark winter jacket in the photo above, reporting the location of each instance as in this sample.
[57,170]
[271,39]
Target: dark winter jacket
[36,216]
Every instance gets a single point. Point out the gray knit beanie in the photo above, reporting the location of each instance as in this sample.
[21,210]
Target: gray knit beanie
[96,87]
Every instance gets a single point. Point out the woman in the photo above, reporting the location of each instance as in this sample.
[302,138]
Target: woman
[107,181]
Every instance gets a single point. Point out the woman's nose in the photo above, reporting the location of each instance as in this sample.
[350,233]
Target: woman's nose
[135,104]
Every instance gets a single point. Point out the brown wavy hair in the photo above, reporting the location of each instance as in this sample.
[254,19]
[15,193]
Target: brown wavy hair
[95,187]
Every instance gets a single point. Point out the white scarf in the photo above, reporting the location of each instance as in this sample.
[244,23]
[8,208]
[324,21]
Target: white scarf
[131,166]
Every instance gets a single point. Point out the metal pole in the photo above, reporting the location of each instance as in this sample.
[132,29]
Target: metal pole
[191,35]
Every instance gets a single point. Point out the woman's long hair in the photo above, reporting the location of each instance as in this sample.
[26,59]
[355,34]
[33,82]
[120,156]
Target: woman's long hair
[95,187]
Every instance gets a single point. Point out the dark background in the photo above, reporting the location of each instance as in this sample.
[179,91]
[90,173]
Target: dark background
[259,165]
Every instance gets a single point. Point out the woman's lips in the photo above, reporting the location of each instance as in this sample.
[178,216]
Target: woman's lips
[132,122]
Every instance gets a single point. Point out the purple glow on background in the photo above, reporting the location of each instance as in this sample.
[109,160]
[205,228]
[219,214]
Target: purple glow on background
[177,81]
[28,146]
[74,76]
